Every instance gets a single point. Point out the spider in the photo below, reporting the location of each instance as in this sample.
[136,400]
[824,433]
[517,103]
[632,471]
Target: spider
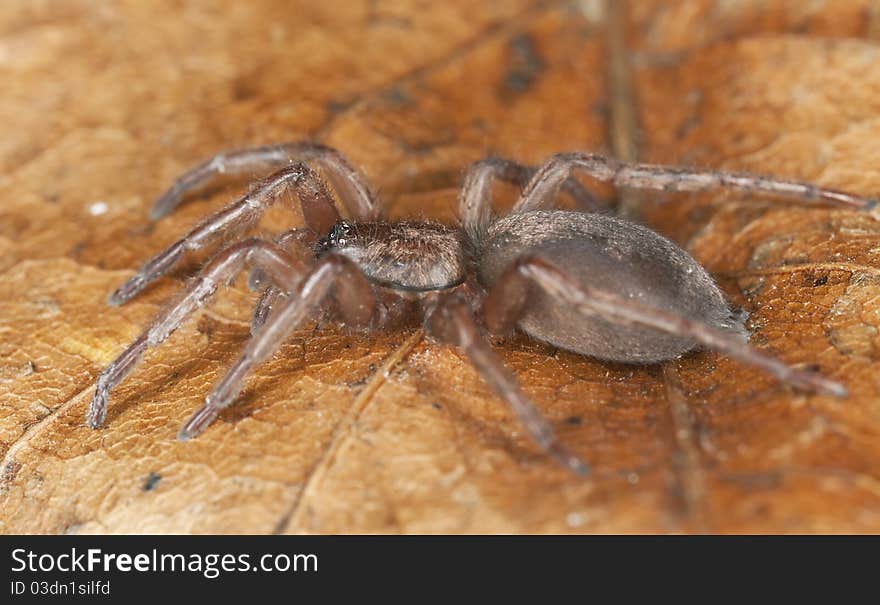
[587,282]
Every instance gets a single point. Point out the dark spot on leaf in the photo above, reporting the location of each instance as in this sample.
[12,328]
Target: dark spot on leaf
[339,105]
[76,249]
[152,481]
[243,89]
[206,326]
[755,481]
[9,472]
[688,125]
[525,66]
[397,97]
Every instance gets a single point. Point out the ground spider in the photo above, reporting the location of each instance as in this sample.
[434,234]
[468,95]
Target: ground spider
[534,269]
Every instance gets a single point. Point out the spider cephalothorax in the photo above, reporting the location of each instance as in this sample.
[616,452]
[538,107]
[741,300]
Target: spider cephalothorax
[406,255]
[589,283]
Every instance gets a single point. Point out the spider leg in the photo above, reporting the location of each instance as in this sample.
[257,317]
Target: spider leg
[347,182]
[508,296]
[269,300]
[317,208]
[298,241]
[475,198]
[452,322]
[333,275]
[270,258]
[546,182]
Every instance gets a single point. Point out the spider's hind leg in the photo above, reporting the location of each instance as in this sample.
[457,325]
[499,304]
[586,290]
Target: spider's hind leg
[509,296]
[452,322]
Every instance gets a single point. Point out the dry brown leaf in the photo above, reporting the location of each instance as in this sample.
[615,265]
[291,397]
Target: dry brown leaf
[341,433]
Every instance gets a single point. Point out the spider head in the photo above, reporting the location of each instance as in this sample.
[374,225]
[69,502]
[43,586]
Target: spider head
[337,238]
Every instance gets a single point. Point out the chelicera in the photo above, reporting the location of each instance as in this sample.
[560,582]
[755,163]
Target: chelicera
[584,281]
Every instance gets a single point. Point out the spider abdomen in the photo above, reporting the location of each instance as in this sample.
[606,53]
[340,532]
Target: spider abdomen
[614,255]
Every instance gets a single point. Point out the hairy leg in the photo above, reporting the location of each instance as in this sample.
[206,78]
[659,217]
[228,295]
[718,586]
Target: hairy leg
[333,275]
[317,207]
[275,262]
[297,242]
[452,322]
[348,183]
[475,197]
[508,297]
[546,182]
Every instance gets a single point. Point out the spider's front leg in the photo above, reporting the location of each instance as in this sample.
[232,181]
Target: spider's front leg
[333,275]
[284,271]
[300,242]
[549,178]
[452,322]
[316,202]
[348,182]
[509,297]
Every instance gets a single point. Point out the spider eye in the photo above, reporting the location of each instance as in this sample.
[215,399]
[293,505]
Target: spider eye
[338,234]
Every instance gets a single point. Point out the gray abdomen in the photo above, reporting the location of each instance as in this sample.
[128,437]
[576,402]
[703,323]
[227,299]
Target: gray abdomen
[617,256]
